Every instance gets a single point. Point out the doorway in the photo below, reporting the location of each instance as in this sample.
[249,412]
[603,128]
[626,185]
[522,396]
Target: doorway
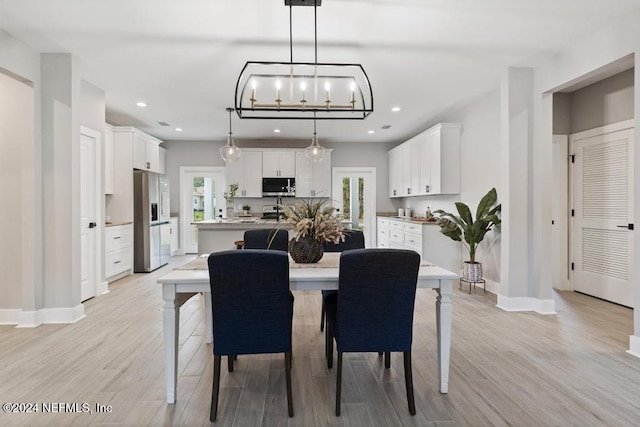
[602,213]
[354,194]
[201,195]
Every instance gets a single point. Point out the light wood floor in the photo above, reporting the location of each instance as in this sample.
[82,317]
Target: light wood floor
[518,369]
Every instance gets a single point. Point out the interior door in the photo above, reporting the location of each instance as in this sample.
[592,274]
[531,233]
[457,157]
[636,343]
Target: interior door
[88,216]
[354,193]
[603,210]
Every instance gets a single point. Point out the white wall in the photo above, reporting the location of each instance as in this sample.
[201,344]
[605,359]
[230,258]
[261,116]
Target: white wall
[16,130]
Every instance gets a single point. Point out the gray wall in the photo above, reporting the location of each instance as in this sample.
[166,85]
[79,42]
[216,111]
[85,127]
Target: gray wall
[206,153]
[602,103]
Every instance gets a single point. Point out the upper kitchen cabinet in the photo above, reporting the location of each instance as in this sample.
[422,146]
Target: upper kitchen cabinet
[108,159]
[146,151]
[427,164]
[313,179]
[247,173]
[277,164]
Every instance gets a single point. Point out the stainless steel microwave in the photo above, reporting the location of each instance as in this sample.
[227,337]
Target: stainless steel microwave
[278,187]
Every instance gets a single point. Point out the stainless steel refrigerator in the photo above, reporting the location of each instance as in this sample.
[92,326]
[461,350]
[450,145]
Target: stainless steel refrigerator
[151,228]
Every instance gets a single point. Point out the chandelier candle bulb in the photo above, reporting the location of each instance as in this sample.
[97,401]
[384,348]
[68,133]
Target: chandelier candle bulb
[253,93]
[278,100]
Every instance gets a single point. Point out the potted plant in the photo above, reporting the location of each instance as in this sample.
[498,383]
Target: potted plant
[229,196]
[313,224]
[246,209]
[463,228]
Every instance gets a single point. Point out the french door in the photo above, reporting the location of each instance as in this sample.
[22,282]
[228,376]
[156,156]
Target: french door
[354,194]
[201,195]
[602,192]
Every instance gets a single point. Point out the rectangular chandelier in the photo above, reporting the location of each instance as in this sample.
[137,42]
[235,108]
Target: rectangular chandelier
[297,90]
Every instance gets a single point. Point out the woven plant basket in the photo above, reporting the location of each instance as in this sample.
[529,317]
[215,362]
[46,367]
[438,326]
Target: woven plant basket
[472,271]
[306,250]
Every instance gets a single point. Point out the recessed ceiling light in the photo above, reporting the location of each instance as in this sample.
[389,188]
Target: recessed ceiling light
[372,131]
[276,130]
[395,109]
[141,104]
[178,129]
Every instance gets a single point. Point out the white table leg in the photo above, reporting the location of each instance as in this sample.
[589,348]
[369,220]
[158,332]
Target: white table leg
[171,325]
[444,317]
[208,316]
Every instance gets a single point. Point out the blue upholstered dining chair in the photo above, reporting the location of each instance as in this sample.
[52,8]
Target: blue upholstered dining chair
[373,309]
[252,309]
[266,238]
[353,239]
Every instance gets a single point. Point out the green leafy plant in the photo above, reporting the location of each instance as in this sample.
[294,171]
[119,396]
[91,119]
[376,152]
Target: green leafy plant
[233,189]
[246,208]
[463,228]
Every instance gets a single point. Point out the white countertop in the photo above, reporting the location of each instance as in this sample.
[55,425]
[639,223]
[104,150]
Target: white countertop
[241,223]
[408,219]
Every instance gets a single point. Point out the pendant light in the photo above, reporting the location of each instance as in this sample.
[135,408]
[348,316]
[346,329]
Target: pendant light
[314,152]
[230,152]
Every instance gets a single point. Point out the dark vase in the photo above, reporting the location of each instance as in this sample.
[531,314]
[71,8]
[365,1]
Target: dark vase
[306,250]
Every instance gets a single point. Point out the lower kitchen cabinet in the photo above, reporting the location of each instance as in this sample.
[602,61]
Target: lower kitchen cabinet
[424,238]
[118,251]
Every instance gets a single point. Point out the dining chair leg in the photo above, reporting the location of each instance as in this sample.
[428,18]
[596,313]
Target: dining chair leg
[408,380]
[216,388]
[287,370]
[322,316]
[328,345]
[339,384]
[230,359]
[387,359]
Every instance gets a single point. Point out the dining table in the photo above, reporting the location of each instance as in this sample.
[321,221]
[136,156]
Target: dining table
[182,282]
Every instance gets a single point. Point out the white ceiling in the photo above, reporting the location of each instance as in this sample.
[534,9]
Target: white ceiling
[183,57]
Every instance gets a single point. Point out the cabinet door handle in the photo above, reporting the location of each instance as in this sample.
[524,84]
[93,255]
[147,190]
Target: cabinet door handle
[408,191]
[116,238]
[426,188]
[117,262]
[148,165]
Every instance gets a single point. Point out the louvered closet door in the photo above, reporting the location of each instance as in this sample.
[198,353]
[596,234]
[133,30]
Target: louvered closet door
[602,193]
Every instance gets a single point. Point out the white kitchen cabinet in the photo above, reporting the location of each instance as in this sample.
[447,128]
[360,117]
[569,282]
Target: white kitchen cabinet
[395,171]
[276,164]
[175,242]
[118,251]
[427,164]
[313,179]
[247,173]
[162,156]
[145,151]
[108,159]
[424,238]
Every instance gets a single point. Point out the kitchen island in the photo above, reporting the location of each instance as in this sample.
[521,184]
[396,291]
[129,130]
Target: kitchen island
[220,235]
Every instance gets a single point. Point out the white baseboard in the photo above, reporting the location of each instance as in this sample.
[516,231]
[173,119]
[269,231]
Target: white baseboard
[10,316]
[526,304]
[634,345]
[103,288]
[32,319]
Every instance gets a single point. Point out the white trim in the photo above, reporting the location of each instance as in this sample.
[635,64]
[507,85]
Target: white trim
[634,345]
[603,130]
[103,288]
[32,319]
[526,304]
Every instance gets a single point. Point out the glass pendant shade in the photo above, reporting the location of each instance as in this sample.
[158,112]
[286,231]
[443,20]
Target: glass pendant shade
[230,152]
[314,152]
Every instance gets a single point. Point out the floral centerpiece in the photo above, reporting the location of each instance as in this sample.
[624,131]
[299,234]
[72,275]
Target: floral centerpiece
[313,224]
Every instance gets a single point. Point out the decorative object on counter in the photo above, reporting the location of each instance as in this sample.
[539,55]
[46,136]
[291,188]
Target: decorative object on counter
[230,152]
[229,196]
[293,90]
[313,224]
[407,212]
[400,212]
[463,228]
[429,214]
[314,152]
[246,209]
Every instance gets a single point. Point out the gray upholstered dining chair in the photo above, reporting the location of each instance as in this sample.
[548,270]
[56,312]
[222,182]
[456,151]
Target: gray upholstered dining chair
[373,309]
[252,309]
[353,239]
